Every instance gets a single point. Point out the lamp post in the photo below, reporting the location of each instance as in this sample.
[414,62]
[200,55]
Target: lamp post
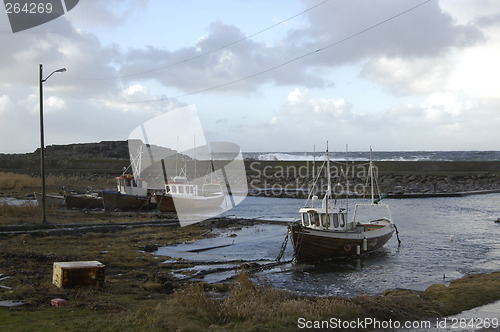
[42,142]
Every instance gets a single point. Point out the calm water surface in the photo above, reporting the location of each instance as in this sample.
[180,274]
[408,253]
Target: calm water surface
[441,238]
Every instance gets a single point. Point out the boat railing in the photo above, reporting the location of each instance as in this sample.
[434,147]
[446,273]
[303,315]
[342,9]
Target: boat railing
[386,215]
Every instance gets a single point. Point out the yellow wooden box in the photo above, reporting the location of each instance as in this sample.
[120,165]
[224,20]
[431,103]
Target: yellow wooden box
[83,273]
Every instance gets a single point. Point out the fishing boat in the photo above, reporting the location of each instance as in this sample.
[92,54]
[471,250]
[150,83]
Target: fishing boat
[180,194]
[325,232]
[132,195]
[54,200]
[84,201]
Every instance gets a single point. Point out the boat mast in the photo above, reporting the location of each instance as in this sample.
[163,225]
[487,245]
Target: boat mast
[347,179]
[329,188]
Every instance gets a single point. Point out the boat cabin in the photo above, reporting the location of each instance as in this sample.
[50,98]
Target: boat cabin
[211,189]
[319,218]
[181,186]
[128,185]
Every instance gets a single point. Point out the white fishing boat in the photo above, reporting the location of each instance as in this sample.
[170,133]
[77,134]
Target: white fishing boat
[325,232]
[180,194]
[54,200]
[131,195]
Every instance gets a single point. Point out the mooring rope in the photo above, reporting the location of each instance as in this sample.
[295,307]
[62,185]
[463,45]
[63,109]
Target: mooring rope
[282,249]
[397,235]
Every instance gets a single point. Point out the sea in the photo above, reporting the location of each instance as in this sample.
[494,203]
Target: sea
[379,155]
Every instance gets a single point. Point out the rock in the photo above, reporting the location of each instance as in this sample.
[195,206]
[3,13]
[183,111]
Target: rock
[150,248]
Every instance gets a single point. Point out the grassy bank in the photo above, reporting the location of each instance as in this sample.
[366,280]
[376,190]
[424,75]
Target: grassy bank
[140,292]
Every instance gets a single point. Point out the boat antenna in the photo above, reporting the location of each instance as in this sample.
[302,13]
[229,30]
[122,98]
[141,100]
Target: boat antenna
[135,163]
[371,175]
[194,143]
[177,156]
[314,161]
[329,188]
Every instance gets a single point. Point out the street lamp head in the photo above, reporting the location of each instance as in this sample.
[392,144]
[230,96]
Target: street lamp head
[61,70]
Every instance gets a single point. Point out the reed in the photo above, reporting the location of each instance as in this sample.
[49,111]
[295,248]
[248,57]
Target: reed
[249,305]
[15,184]
[18,182]
[19,212]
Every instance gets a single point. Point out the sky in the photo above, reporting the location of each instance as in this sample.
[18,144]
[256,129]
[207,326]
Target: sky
[283,75]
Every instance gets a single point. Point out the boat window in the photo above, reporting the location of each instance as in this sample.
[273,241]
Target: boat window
[174,189]
[181,190]
[134,183]
[167,188]
[324,220]
[127,183]
[335,220]
[305,219]
[314,218]
[342,220]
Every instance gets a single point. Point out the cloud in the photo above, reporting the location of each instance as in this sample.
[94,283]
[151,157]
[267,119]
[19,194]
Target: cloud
[440,121]
[437,62]
[300,104]
[422,32]
[5,103]
[408,76]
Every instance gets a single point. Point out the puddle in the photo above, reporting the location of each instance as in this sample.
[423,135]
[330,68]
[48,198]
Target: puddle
[250,243]
[221,258]
[11,303]
[11,201]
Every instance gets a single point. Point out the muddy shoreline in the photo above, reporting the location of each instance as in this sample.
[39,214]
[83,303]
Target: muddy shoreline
[141,293]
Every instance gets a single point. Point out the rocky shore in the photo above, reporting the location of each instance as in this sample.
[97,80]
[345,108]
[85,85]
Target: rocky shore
[395,179]
[279,178]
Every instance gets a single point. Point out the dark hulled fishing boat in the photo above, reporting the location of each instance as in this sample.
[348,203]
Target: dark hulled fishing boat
[324,231]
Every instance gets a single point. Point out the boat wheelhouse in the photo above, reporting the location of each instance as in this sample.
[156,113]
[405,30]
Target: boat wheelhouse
[181,194]
[128,185]
[131,195]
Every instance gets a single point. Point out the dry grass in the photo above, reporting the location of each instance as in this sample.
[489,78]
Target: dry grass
[250,305]
[18,182]
[25,211]
[18,185]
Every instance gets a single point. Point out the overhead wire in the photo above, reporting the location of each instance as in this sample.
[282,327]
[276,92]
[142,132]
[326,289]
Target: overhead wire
[354,35]
[204,53]
[306,54]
